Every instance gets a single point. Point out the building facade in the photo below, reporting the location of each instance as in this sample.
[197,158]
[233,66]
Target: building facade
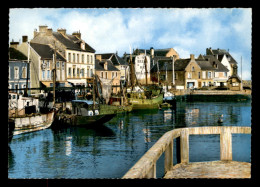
[80,57]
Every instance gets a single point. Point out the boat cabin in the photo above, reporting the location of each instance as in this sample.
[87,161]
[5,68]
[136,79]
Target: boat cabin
[84,108]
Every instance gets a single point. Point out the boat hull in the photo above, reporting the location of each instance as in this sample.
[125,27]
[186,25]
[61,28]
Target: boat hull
[32,123]
[11,126]
[142,103]
[110,109]
[90,120]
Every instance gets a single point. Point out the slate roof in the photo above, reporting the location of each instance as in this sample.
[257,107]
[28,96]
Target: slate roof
[205,65]
[157,52]
[45,51]
[116,60]
[212,60]
[72,42]
[15,54]
[69,41]
[181,64]
[99,65]
[221,53]
[163,66]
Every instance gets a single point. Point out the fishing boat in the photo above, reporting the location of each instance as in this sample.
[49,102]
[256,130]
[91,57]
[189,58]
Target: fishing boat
[11,127]
[85,113]
[26,112]
[143,96]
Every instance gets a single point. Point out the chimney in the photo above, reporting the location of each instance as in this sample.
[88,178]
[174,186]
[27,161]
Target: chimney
[35,32]
[192,57]
[49,31]
[43,28]
[14,44]
[152,52]
[99,57]
[25,39]
[62,31]
[77,34]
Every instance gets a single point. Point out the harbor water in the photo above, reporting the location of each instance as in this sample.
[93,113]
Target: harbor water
[110,150]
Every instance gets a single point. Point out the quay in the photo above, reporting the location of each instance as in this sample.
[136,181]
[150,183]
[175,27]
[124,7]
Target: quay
[212,95]
[224,168]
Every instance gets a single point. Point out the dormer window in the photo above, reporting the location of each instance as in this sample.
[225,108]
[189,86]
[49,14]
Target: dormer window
[82,45]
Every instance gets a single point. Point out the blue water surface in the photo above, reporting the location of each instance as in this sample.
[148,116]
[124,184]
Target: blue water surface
[110,150]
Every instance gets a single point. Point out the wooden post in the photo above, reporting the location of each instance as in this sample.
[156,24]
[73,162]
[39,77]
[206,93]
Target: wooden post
[152,172]
[184,146]
[168,159]
[225,144]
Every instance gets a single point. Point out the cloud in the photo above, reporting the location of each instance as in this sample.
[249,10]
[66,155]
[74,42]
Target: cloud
[188,31]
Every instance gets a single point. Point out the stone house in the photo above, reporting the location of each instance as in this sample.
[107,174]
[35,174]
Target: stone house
[187,73]
[108,73]
[214,73]
[163,71]
[80,57]
[234,81]
[42,65]
[118,62]
[17,69]
[224,57]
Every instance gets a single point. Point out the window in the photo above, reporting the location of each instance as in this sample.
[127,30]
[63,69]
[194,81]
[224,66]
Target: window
[209,74]
[48,74]
[48,63]
[189,75]
[199,75]
[88,72]
[43,74]
[91,59]
[69,57]
[77,58]
[101,74]
[113,75]
[175,76]
[73,57]
[82,58]
[58,65]
[106,75]
[216,74]
[63,65]
[192,69]
[16,72]
[24,73]
[87,58]
[204,74]
[69,72]
[82,72]
[73,72]
[91,72]
[225,74]
[77,72]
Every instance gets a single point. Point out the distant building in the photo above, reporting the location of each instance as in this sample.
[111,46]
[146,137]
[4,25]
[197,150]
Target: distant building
[42,65]
[187,73]
[213,72]
[108,74]
[118,62]
[224,57]
[18,69]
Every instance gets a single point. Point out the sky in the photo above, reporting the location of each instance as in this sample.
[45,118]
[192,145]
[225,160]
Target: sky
[110,30]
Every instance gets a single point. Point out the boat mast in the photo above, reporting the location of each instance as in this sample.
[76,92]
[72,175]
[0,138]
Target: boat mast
[93,92]
[27,73]
[158,76]
[54,74]
[145,64]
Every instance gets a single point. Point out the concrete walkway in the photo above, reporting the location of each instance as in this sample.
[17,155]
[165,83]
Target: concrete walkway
[215,169]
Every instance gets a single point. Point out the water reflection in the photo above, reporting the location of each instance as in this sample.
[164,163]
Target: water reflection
[111,149]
